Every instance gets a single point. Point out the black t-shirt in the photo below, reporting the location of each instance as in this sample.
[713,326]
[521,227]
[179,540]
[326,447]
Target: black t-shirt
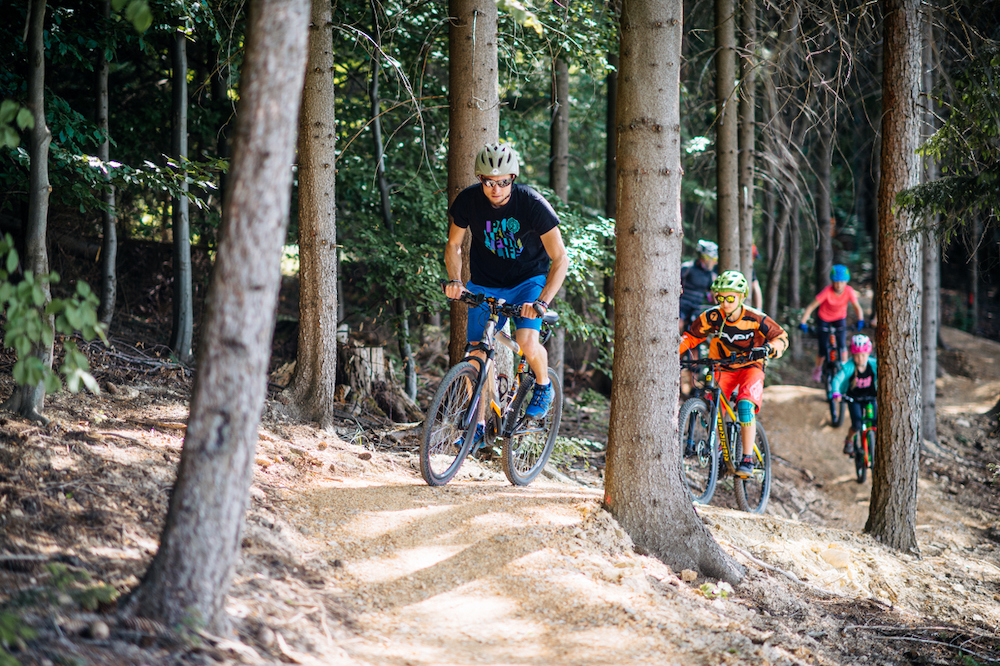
[696,280]
[506,242]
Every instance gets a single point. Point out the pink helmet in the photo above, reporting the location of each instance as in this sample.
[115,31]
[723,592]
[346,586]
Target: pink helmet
[860,344]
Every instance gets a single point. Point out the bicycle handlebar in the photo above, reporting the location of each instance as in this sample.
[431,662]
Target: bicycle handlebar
[732,359]
[500,307]
[860,399]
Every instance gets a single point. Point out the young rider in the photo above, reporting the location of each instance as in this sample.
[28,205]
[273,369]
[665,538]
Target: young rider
[856,378]
[738,329]
[832,303]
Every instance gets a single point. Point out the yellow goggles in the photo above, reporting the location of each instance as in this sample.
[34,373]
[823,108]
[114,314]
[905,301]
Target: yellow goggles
[726,299]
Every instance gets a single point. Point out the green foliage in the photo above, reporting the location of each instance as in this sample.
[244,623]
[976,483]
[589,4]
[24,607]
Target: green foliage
[13,631]
[11,114]
[967,148]
[77,583]
[27,313]
[137,12]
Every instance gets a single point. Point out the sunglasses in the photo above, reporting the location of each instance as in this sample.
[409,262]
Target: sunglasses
[726,299]
[496,183]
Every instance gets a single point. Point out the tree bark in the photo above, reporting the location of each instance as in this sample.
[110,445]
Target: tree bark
[474,117]
[643,482]
[611,179]
[559,182]
[183,303]
[192,570]
[931,294]
[315,382]
[747,133]
[109,245]
[726,136]
[29,401]
[892,513]
[824,221]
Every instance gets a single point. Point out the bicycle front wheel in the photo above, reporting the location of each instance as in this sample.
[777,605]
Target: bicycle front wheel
[860,459]
[448,432]
[752,493]
[699,458]
[528,443]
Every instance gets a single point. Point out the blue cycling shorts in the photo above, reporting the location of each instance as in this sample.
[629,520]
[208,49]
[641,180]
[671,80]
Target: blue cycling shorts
[526,292]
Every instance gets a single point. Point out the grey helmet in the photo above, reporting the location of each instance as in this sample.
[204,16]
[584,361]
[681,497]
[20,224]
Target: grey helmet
[497,159]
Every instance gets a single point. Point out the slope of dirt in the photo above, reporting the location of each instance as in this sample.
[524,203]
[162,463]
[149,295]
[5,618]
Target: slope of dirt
[348,558]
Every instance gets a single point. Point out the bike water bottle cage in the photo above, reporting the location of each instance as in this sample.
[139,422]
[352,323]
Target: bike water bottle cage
[745,412]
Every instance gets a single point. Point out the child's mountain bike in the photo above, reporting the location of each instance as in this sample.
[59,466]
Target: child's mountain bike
[712,444]
[831,366]
[864,439]
[450,426]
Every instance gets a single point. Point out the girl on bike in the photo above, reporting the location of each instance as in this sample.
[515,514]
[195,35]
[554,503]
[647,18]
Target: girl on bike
[856,378]
[738,329]
[832,303]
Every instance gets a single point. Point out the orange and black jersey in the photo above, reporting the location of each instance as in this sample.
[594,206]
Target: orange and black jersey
[752,329]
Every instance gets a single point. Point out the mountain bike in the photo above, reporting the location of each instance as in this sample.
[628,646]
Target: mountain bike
[450,426]
[712,444]
[864,439]
[831,366]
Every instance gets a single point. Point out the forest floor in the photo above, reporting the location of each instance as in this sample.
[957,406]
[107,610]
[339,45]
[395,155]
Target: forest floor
[349,558]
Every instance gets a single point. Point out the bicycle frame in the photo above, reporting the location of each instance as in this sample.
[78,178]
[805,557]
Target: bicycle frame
[721,407]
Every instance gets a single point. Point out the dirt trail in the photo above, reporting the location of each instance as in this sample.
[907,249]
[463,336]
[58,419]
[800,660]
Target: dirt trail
[349,558]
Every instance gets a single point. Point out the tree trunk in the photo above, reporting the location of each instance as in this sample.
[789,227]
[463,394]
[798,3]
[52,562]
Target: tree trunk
[777,263]
[474,117]
[747,132]
[892,513]
[794,260]
[402,315]
[931,294]
[183,326]
[559,182]
[610,180]
[28,401]
[824,221]
[726,136]
[643,482]
[109,246]
[192,570]
[315,382]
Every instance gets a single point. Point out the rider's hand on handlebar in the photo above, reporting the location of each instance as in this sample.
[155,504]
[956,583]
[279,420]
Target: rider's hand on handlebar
[760,353]
[454,289]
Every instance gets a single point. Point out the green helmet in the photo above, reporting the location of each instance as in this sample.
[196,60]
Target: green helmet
[731,281]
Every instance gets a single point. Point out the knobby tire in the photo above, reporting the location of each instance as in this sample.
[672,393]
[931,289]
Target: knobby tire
[445,442]
[752,494]
[526,451]
[699,457]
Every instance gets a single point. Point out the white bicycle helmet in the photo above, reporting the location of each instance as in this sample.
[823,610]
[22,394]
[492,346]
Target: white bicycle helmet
[708,248]
[497,159]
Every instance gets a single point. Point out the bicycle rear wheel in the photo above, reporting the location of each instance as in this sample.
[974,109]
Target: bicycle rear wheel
[699,459]
[527,449]
[752,493]
[860,460]
[446,438]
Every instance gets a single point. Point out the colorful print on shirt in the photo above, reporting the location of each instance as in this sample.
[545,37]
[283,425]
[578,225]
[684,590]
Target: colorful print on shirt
[501,238]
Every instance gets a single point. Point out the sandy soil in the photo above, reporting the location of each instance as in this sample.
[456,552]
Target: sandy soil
[348,558]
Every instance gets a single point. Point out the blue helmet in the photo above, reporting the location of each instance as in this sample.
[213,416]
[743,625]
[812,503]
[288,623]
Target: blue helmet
[839,273]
